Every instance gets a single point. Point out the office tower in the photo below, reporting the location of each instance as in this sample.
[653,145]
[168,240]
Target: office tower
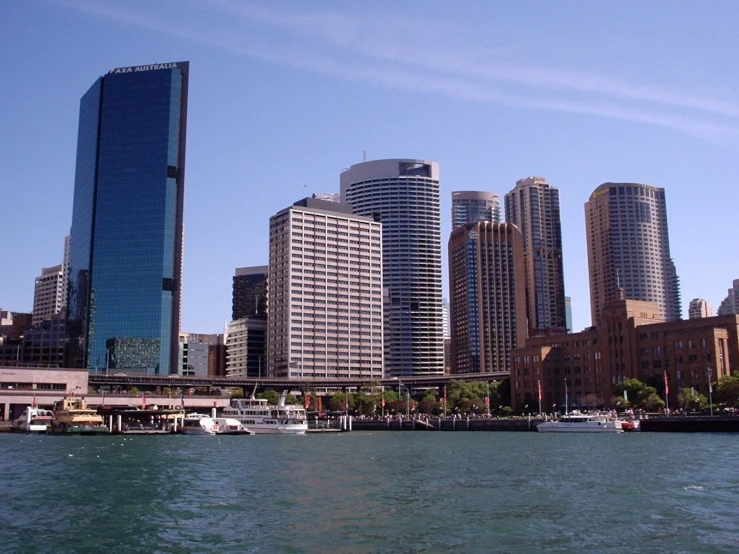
[325,293]
[445,317]
[629,248]
[65,271]
[533,206]
[48,293]
[403,194]
[729,304]
[699,308]
[568,313]
[470,206]
[488,296]
[126,237]
[249,292]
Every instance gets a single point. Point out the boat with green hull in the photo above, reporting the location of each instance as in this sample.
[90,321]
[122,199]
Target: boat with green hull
[73,417]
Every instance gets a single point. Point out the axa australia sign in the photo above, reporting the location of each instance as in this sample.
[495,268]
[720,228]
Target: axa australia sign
[137,68]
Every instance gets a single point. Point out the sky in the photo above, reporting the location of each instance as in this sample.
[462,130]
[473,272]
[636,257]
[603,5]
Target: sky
[285,95]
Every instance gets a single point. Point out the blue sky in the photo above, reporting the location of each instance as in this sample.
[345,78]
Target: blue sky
[284,95]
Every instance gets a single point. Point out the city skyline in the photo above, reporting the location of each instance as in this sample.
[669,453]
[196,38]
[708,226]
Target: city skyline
[272,125]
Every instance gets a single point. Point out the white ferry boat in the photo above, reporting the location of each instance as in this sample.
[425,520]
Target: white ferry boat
[33,420]
[198,424]
[257,415]
[576,422]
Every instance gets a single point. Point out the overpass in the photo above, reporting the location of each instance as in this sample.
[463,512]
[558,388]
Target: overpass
[142,381]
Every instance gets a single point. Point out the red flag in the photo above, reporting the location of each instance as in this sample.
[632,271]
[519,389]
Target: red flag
[667,383]
[383,398]
[307,401]
[33,403]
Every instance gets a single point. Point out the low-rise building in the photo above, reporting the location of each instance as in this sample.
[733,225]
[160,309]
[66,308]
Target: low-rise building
[632,341]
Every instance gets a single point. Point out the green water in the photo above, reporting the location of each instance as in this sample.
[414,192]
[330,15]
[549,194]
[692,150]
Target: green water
[370,492]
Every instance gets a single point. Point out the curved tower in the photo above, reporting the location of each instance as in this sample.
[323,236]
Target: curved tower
[629,248]
[469,206]
[403,194]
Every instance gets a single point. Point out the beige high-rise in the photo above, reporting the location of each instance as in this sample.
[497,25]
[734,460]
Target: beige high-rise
[533,206]
[325,293]
[487,296]
[629,248]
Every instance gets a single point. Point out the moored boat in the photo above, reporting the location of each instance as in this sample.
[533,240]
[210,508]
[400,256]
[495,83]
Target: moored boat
[257,415]
[33,420]
[198,424]
[230,426]
[577,422]
[73,417]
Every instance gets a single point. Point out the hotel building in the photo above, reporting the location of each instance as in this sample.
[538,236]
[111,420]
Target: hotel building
[325,293]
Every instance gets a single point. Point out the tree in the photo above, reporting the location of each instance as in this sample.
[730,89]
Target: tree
[652,403]
[429,405]
[633,388]
[620,403]
[689,399]
[591,401]
[272,397]
[727,391]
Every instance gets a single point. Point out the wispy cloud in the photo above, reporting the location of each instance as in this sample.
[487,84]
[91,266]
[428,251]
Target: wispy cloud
[380,51]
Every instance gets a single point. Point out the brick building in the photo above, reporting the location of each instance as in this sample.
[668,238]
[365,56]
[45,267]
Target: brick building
[632,341]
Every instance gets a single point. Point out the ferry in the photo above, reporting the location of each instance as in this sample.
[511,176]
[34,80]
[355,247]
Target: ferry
[33,420]
[73,417]
[577,422]
[257,415]
[198,424]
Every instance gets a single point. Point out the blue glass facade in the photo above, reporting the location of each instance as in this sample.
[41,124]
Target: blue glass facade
[126,237]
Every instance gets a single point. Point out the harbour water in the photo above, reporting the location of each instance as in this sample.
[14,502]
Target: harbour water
[371,492]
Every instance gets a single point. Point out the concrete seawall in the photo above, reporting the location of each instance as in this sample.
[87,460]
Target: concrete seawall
[513,424]
[691,424]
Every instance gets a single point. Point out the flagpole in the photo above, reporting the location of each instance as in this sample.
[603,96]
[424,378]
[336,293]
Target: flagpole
[538,386]
[667,392]
[710,390]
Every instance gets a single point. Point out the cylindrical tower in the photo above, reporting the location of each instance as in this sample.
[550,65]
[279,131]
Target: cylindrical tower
[629,248]
[403,194]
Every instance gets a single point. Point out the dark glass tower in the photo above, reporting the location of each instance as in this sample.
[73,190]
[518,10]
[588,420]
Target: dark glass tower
[126,238]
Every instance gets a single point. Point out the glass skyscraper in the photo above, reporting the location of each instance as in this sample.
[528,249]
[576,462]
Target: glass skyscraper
[126,238]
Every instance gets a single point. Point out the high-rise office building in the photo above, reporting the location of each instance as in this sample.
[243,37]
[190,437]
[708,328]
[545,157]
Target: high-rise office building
[249,292]
[533,206]
[729,304]
[471,206]
[629,248]
[48,293]
[699,308]
[325,293]
[488,296]
[568,313]
[403,194]
[126,236]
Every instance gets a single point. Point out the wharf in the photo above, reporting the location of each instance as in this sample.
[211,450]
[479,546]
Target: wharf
[448,424]
[691,424]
